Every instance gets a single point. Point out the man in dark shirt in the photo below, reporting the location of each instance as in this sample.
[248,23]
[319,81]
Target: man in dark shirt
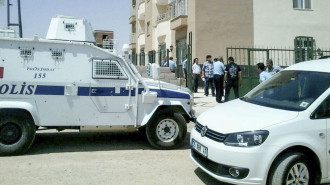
[207,73]
[233,77]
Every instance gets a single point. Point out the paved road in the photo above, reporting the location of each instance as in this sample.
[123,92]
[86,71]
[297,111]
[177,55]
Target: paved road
[75,158]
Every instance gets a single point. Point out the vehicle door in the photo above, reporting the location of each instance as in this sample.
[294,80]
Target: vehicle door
[322,113]
[326,108]
[108,89]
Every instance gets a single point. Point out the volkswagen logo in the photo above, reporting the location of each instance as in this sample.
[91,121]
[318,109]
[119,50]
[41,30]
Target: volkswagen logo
[203,131]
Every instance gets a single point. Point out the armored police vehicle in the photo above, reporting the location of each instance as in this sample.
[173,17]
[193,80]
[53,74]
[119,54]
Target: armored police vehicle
[66,82]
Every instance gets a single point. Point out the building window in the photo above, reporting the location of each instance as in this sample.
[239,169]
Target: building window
[152,56]
[178,7]
[148,28]
[302,4]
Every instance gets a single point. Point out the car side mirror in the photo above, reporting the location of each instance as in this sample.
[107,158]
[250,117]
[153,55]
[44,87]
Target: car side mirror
[153,71]
[321,112]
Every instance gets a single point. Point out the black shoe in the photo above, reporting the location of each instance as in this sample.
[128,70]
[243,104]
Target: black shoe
[213,95]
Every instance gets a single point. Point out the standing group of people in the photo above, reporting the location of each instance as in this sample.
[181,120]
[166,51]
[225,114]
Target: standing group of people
[223,78]
[220,78]
[217,76]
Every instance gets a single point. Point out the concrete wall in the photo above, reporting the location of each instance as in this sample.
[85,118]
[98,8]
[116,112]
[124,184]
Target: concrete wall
[220,24]
[276,23]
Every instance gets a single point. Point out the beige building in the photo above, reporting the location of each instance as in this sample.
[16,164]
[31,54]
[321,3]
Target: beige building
[159,26]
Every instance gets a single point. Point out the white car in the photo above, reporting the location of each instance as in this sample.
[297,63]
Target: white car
[278,133]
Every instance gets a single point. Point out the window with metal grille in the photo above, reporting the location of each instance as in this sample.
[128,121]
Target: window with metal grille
[58,53]
[107,69]
[302,4]
[69,26]
[26,52]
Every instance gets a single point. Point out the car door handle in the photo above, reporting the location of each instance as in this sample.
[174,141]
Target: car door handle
[96,91]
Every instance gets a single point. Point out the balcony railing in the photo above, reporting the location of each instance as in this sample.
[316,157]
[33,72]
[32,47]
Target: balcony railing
[178,7]
[163,17]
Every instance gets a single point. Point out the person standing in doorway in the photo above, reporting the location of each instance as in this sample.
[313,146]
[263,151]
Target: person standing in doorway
[263,74]
[196,70]
[218,72]
[233,78]
[207,73]
[172,65]
[164,61]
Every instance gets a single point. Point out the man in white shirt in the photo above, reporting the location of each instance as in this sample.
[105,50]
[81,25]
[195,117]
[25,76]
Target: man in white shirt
[172,65]
[263,74]
[272,69]
[196,70]
[218,72]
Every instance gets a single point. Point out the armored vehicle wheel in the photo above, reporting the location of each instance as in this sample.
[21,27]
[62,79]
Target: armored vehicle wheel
[167,131]
[17,132]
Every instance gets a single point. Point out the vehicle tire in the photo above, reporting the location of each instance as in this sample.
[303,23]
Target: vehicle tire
[293,168]
[17,132]
[166,131]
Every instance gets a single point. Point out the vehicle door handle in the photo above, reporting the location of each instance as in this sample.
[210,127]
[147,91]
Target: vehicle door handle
[96,91]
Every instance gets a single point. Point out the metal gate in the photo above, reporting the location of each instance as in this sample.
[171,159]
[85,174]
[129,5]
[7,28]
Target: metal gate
[184,52]
[247,58]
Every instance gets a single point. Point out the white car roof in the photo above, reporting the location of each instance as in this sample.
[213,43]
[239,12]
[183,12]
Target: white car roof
[322,65]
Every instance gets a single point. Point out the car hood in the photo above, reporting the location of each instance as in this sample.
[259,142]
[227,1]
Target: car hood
[240,116]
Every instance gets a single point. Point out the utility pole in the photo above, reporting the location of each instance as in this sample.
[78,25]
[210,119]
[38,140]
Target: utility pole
[19,17]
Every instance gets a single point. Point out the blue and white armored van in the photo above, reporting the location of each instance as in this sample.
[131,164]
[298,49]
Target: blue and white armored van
[66,82]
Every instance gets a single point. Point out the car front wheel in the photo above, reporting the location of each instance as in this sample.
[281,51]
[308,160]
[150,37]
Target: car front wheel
[292,169]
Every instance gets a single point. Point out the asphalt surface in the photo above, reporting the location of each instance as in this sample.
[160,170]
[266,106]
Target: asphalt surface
[71,158]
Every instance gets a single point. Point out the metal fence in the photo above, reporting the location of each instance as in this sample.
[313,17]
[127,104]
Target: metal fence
[247,58]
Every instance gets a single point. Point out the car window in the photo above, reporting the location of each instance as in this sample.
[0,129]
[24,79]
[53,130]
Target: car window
[290,90]
[323,111]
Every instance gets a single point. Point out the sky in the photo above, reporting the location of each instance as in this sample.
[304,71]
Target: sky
[109,15]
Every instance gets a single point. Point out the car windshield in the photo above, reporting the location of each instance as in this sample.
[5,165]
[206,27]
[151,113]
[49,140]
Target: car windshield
[290,90]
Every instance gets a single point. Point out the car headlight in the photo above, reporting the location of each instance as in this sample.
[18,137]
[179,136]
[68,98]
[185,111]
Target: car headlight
[247,139]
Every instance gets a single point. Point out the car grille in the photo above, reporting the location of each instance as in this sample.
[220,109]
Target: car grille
[216,136]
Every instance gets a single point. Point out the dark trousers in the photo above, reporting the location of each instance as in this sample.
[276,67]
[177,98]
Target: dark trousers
[218,82]
[229,85]
[209,81]
[195,81]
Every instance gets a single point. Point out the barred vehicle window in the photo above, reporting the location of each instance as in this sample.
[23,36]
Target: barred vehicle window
[108,69]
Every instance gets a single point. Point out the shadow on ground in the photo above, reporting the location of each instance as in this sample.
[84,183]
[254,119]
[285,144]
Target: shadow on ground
[60,142]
